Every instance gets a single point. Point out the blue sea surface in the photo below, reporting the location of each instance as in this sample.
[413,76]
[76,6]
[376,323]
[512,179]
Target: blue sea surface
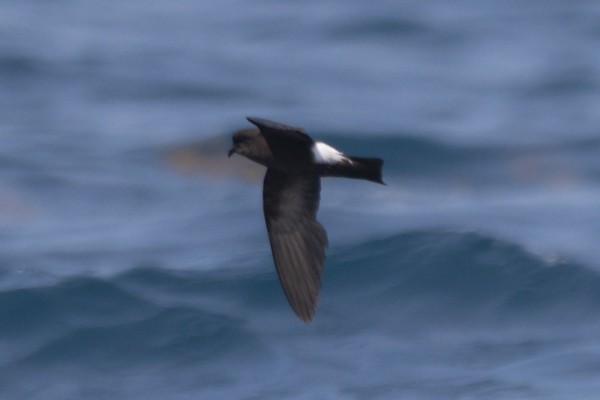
[134,262]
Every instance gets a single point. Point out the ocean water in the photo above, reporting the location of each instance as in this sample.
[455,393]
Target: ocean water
[134,262]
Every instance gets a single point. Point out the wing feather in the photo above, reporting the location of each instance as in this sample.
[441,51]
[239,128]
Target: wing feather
[290,146]
[298,240]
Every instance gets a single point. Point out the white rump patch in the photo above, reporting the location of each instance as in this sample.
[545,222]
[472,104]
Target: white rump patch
[325,154]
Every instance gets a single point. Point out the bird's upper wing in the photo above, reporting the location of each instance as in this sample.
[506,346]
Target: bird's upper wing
[297,239]
[289,145]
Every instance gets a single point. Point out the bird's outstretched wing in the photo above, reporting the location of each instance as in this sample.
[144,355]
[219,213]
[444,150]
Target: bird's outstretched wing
[289,145]
[298,240]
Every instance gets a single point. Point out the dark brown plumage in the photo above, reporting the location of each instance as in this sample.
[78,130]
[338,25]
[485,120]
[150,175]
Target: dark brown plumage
[291,193]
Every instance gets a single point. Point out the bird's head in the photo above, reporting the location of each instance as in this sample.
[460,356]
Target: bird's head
[251,144]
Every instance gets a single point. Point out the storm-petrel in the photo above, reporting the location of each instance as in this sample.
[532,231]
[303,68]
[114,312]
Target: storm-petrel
[295,164]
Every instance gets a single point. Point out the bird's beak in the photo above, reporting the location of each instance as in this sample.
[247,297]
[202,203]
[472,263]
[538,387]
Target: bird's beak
[231,151]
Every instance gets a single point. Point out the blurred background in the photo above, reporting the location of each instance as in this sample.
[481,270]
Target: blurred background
[134,261]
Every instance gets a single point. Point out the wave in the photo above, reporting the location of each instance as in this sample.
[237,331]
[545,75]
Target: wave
[432,278]
[416,280]
[103,322]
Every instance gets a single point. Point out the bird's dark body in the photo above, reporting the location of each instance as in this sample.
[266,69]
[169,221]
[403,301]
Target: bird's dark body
[291,194]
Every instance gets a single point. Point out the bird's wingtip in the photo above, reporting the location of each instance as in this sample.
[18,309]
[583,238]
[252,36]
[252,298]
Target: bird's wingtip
[307,318]
[253,120]
[262,123]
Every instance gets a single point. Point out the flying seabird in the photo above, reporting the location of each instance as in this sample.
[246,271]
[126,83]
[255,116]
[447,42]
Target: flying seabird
[291,191]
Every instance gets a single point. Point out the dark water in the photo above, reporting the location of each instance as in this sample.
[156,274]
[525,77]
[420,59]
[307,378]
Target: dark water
[133,256]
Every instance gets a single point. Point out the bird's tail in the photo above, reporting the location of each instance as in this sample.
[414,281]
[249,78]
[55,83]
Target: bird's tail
[358,168]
